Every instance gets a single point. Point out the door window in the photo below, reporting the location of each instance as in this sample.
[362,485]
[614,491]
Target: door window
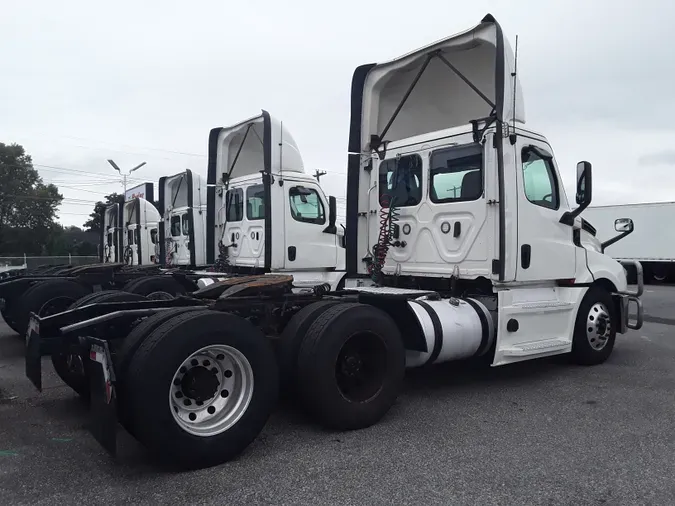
[186,224]
[175,226]
[539,179]
[306,205]
[234,205]
[456,176]
[401,179]
[255,202]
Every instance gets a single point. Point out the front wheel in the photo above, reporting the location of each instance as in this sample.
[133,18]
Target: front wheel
[595,328]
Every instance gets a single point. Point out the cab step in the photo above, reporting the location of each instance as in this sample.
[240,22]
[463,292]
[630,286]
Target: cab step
[537,347]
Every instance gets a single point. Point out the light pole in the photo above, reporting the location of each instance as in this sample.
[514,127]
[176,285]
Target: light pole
[124,176]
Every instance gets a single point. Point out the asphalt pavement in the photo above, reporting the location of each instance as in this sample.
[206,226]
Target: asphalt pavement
[541,432]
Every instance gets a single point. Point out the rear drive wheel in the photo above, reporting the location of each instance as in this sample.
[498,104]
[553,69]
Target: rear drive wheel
[153,284]
[48,297]
[72,368]
[9,317]
[351,366]
[126,351]
[595,328]
[289,343]
[201,387]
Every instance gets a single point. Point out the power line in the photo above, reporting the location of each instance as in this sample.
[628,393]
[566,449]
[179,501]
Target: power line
[61,169]
[184,153]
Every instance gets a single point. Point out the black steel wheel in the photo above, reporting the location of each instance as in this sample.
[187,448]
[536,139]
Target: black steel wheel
[351,366]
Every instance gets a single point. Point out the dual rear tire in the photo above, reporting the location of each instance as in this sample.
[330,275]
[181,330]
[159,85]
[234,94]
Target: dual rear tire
[345,362]
[200,401]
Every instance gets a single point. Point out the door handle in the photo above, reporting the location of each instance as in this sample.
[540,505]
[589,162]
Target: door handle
[291,253]
[457,230]
[525,255]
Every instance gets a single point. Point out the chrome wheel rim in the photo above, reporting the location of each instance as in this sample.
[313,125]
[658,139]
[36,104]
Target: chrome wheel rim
[598,326]
[211,390]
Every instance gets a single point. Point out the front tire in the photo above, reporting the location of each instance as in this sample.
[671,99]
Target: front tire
[217,373]
[595,328]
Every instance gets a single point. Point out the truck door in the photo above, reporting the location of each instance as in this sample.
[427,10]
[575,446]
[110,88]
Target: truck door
[308,247]
[445,225]
[178,246]
[545,246]
[245,226]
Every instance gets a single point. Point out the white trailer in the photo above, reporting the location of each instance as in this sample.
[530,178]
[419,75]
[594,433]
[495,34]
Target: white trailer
[652,242]
[460,244]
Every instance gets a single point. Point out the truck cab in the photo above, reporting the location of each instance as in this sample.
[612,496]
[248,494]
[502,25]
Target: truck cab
[141,221]
[112,233]
[182,234]
[449,190]
[270,215]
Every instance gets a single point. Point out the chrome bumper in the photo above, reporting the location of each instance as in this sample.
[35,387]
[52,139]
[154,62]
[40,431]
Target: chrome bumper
[628,297]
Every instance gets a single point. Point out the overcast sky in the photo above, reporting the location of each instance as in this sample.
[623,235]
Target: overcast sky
[146,81]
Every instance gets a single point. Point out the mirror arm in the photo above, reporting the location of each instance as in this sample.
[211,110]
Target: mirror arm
[568,217]
[332,216]
[614,239]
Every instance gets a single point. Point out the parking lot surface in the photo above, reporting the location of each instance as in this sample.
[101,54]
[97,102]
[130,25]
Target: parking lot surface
[541,432]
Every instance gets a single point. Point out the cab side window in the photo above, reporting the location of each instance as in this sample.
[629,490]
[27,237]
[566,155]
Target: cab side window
[186,224]
[234,205]
[175,226]
[539,179]
[255,202]
[306,205]
[400,179]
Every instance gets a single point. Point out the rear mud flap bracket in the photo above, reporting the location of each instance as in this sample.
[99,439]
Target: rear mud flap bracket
[103,424]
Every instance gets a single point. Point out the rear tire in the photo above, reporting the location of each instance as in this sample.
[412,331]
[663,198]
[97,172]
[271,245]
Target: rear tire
[151,284]
[289,343]
[595,328]
[158,364]
[9,318]
[351,366]
[73,368]
[48,297]
[126,351]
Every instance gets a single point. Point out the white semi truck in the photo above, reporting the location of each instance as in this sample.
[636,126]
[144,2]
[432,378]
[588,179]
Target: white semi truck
[460,244]
[270,215]
[140,219]
[652,243]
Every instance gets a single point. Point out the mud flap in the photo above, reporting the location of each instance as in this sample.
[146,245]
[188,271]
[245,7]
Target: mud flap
[103,396]
[33,353]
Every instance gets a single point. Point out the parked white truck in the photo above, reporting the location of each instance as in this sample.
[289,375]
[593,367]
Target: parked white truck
[460,244]
[140,219]
[652,243]
[182,236]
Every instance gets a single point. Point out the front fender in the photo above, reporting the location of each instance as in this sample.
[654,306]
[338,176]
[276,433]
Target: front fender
[601,266]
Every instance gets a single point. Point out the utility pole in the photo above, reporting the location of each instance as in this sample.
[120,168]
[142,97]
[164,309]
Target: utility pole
[318,173]
[124,176]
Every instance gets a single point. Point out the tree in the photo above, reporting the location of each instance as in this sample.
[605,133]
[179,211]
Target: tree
[93,224]
[27,206]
